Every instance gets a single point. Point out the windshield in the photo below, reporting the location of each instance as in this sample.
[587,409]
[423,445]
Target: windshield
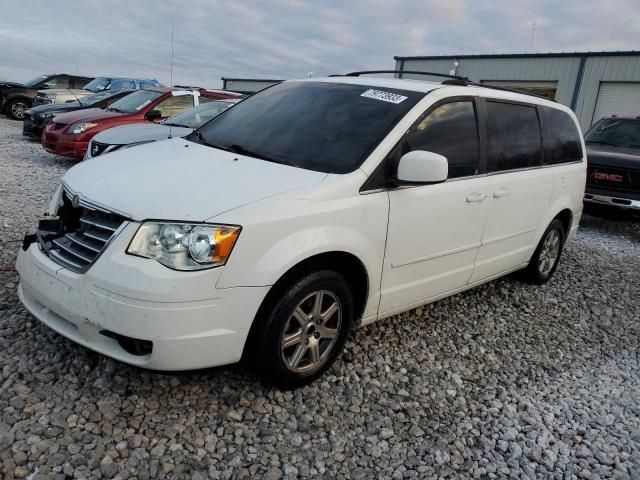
[34,81]
[322,126]
[97,84]
[97,97]
[617,132]
[197,116]
[135,101]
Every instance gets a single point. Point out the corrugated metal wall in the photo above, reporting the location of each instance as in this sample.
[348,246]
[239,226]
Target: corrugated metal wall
[563,70]
[603,69]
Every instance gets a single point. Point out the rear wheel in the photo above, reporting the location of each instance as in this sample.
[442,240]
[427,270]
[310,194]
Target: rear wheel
[304,329]
[16,107]
[546,257]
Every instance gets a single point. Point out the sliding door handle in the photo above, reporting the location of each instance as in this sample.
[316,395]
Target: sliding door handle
[502,192]
[476,197]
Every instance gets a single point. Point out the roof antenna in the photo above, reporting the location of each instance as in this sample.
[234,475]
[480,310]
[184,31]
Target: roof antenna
[533,34]
[171,74]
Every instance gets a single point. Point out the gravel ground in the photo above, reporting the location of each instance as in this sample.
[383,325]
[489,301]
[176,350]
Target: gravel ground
[507,380]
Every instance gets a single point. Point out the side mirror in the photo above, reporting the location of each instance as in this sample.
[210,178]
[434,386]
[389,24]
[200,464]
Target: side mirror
[421,167]
[153,115]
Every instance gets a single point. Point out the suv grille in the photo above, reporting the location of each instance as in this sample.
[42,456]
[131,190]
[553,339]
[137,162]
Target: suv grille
[79,236]
[622,180]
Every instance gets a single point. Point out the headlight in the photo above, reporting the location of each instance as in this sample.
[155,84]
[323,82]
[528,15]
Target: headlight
[184,246]
[78,128]
[47,115]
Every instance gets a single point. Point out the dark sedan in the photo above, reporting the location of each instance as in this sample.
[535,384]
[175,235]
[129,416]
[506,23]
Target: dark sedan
[613,163]
[36,118]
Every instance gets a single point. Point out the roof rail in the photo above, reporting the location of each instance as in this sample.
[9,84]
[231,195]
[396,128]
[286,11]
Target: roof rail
[450,80]
[411,72]
[507,89]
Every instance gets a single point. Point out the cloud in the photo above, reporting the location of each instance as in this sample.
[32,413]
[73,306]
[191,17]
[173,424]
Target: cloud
[287,39]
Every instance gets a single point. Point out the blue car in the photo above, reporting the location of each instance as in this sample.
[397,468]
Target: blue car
[98,84]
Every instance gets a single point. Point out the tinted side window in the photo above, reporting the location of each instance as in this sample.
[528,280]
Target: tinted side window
[450,130]
[174,105]
[77,82]
[513,133]
[56,82]
[562,140]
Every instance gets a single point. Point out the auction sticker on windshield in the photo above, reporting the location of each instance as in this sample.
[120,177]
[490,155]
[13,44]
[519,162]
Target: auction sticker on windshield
[384,96]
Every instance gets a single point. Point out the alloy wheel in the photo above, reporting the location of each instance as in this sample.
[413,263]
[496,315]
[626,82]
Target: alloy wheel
[18,109]
[311,332]
[549,252]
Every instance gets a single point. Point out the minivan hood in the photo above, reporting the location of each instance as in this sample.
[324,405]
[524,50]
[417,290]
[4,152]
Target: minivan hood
[181,180]
[140,132]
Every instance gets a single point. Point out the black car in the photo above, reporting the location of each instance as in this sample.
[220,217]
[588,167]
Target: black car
[15,98]
[36,118]
[613,163]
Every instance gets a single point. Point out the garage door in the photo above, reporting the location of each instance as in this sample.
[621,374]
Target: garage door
[617,99]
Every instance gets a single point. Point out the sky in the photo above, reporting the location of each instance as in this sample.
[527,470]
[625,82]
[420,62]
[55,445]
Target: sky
[291,38]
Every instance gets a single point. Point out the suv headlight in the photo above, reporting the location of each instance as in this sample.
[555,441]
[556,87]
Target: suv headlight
[78,128]
[185,246]
[47,115]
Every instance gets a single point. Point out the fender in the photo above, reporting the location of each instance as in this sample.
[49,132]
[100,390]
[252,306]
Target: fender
[268,247]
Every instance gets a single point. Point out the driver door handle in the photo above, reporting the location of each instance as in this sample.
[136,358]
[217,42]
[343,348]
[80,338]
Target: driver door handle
[502,192]
[476,197]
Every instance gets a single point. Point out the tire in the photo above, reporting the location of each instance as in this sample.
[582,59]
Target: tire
[292,316]
[546,257]
[16,107]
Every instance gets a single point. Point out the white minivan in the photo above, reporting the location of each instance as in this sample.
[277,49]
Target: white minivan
[308,209]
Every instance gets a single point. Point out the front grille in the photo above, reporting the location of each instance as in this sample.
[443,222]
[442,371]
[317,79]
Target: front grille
[57,126]
[98,148]
[79,235]
[612,178]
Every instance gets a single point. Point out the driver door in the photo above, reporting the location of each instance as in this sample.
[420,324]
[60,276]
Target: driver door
[435,231]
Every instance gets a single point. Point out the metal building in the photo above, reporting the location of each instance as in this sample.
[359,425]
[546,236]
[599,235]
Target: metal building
[246,85]
[593,84]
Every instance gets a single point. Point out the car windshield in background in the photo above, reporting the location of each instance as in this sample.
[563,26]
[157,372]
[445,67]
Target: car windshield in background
[96,98]
[33,81]
[197,116]
[97,84]
[618,132]
[135,101]
[322,126]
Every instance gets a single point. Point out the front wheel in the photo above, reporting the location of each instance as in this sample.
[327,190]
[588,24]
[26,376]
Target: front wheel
[304,330]
[15,108]
[546,257]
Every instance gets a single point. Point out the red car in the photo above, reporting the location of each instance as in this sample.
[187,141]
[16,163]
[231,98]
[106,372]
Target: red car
[69,134]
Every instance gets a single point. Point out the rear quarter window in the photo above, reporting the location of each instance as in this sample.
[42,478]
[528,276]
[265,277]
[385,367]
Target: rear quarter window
[514,139]
[562,138]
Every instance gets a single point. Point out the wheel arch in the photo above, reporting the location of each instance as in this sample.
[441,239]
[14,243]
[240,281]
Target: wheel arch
[345,263]
[566,217]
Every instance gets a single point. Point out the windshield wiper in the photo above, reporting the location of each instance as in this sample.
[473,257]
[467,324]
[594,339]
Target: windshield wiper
[177,125]
[111,109]
[239,149]
[603,142]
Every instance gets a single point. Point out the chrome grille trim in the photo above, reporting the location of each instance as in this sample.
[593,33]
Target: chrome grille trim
[112,226]
[81,236]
